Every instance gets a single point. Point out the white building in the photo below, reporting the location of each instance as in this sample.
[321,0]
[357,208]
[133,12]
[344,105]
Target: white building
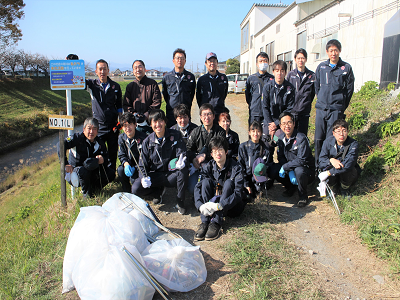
[357,24]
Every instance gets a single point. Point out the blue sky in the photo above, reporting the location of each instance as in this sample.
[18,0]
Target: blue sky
[122,31]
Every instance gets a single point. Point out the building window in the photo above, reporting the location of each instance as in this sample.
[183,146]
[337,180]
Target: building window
[263,38]
[251,41]
[280,57]
[278,28]
[324,41]
[302,40]
[288,59]
[245,37]
[269,49]
[262,49]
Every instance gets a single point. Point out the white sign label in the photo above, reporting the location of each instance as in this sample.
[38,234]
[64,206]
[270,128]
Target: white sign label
[61,122]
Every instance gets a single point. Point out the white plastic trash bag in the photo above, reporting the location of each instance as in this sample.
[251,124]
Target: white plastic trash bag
[109,273]
[147,225]
[176,264]
[98,228]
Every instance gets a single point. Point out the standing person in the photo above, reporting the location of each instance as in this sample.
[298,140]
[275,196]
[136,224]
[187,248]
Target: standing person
[88,165]
[231,136]
[338,158]
[219,192]
[106,98]
[183,123]
[130,145]
[295,165]
[212,87]
[198,144]
[163,162]
[254,88]
[141,97]
[178,86]
[334,86]
[278,97]
[303,80]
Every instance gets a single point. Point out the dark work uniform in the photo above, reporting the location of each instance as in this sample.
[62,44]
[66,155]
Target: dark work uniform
[334,88]
[106,104]
[82,157]
[254,87]
[294,155]
[213,90]
[177,89]
[233,144]
[275,100]
[134,145]
[230,181]
[305,93]
[156,156]
[347,154]
[185,132]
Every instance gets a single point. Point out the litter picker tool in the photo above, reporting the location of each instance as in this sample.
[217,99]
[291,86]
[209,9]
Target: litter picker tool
[333,199]
[140,155]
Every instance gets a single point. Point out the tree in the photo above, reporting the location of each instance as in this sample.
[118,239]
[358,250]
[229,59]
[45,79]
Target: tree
[233,66]
[25,60]
[12,60]
[10,12]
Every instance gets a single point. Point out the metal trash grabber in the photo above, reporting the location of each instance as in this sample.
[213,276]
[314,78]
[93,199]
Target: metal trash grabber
[140,154]
[333,199]
[158,287]
[159,225]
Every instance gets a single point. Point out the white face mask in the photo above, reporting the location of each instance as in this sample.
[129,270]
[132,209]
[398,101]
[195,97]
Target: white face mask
[263,67]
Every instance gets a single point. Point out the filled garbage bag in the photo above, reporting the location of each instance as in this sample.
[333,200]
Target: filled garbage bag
[147,225]
[176,264]
[108,273]
[97,227]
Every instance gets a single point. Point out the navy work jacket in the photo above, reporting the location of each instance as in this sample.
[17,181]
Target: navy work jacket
[305,91]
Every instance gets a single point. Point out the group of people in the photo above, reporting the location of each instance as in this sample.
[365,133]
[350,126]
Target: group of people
[158,150]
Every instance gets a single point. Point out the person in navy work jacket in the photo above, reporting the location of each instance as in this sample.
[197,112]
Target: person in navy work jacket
[219,191]
[338,158]
[212,87]
[178,86]
[334,86]
[130,145]
[254,87]
[183,123]
[163,162]
[88,159]
[231,136]
[278,97]
[296,163]
[106,107]
[303,80]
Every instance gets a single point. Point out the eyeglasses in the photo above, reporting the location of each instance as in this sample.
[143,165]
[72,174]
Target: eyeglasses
[218,151]
[179,57]
[288,123]
[207,114]
[341,132]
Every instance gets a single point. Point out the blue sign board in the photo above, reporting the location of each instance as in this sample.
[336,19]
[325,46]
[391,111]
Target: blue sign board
[67,74]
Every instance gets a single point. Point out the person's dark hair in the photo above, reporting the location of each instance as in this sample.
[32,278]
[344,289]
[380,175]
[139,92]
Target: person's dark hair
[262,54]
[139,60]
[157,114]
[91,121]
[101,61]
[207,106]
[280,63]
[181,110]
[334,43]
[284,114]
[179,50]
[72,57]
[219,142]
[302,51]
[224,114]
[340,123]
[127,117]
[255,125]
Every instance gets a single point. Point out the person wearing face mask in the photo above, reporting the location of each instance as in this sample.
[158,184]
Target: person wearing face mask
[254,87]
[183,123]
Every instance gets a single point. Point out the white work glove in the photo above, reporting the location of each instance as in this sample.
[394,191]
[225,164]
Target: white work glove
[212,207]
[146,182]
[67,176]
[324,175]
[180,164]
[204,211]
[322,189]
[192,170]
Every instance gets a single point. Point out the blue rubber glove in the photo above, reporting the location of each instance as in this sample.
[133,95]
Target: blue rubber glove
[292,178]
[282,173]
[129,171]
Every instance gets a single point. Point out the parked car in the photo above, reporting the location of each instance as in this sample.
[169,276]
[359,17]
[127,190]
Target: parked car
[237,83]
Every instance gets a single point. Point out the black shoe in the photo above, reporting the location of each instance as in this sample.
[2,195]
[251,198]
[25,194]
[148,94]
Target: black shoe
[302,203]
[345,193]
[158,199]
[269,184]
[248,198]
[180,206]
[201,232]
[289,192]
[213,232]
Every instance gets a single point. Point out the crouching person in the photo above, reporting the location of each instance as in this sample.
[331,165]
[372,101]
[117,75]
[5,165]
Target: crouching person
[130,145]
[296,163]
[338,158]
[163,163]
[88,164]
[219,191]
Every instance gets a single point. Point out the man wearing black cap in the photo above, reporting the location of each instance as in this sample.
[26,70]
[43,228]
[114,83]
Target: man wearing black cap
[212,87]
